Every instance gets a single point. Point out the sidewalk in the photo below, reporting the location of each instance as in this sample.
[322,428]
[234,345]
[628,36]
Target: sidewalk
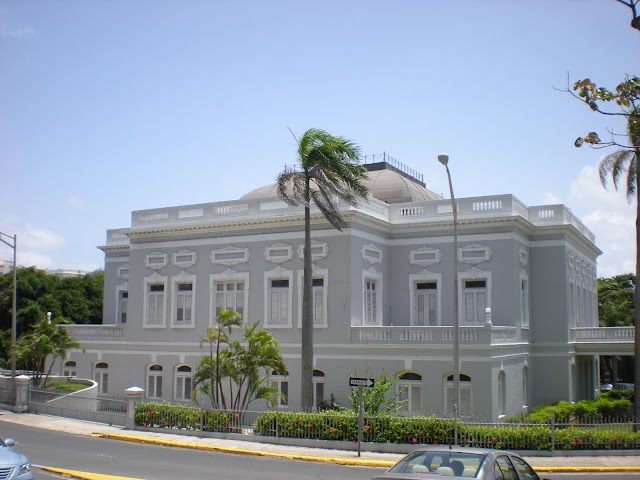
[544,463]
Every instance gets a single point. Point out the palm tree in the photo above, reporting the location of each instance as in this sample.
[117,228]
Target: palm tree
[328,169]
[622,166]
[210,368]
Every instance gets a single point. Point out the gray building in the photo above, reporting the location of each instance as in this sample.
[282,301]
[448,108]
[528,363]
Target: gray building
[383,297]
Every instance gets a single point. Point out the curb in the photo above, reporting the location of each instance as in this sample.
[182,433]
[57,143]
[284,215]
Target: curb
[86,475]
[336,460]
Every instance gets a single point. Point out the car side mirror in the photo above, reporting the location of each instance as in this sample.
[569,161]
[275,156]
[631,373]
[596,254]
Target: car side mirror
[10,442]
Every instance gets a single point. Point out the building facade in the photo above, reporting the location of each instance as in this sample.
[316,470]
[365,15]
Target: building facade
[383,297]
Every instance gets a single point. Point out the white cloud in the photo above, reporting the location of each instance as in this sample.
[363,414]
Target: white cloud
[34,244]
[608,214]
[75,203]
[9,30]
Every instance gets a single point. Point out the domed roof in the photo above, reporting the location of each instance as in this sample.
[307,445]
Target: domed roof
[385,185]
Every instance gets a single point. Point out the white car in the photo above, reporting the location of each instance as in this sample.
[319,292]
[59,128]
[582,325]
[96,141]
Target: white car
[13,465]
[442,461]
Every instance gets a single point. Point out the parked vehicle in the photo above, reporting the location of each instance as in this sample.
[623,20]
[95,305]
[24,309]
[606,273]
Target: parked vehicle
[13,465]
[462,462]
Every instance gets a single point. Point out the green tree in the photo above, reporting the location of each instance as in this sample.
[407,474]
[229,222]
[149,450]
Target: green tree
[46,340]
[620,166]
[245,365]
[615,300]
[328,167]
[381,395]
[221,334]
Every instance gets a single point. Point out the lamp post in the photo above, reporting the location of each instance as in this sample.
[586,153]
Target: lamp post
[443,158]
[14,301]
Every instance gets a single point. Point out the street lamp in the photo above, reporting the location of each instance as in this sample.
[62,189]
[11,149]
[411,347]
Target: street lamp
[443,158]
[14,301]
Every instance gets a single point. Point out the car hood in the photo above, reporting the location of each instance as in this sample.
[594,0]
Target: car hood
[8,456]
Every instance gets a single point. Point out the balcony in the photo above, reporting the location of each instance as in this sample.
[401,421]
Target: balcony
[438,335]
[94,332]
[472,209]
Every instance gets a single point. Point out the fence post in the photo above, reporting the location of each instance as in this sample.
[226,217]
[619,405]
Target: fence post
[553,427]
[22,394]
[134,397]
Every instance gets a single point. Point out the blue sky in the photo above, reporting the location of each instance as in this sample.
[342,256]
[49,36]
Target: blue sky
[111,106]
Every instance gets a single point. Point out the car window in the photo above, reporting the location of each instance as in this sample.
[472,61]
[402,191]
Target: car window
[503,469]
[525,471]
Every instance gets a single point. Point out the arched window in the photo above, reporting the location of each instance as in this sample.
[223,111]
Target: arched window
[465,395]
[280,381]
[318,387]
[69,369]
[409,387]
[154,381]
[101,375]
[183,384]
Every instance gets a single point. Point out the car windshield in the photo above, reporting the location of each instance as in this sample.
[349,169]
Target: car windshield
[446,463]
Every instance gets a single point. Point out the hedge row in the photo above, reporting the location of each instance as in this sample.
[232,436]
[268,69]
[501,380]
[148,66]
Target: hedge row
[343,426]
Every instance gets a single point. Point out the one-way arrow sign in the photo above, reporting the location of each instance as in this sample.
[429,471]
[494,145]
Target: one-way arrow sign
[361,382]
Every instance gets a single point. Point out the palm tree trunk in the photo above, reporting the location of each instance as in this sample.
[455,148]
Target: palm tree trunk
[636,349]
[306,397]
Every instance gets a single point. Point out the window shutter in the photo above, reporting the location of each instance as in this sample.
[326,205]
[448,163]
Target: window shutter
[284,388]
[416,401]
[420,308]
[179,388]
[432,308]
[465,400]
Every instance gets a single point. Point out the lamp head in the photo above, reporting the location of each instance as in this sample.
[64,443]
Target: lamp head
[443,158]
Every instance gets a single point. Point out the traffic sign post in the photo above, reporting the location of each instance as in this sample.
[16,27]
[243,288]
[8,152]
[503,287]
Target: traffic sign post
[361,383]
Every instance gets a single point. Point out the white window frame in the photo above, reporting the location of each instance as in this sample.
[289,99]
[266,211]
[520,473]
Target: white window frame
[376,277]
[278,253]
[101,375]
[279,381]
[473,275]
[155,279]
[176,281]
[120,289]
[502,393]
[123,271]
[466,396]
[180,384]
[156,260]
[318,382]
[318,273]
[184,258]
[69,370]
[413,389]
[277,274]
[154,381]
[524,299]
[425,277]
[227,277]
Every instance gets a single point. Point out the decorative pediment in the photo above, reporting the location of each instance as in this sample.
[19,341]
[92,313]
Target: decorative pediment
[123,286]
[425,256]
[475,272]
[278,253]
[229,256]
[185,258]
[155,277]
[156,260]
[318,250]
[474,254]
[123,271]
[183,277]
[424,275]
[280,272]
[371,253]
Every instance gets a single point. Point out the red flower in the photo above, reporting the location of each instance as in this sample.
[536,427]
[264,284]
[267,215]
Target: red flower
[415,440]
[367,427]
[309,426]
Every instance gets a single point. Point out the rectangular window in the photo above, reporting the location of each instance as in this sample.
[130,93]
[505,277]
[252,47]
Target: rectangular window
[184,303]
[124,300]
[426,300]
[230,296]
[154,386]
[524,301]
[103,381]
[183,388]
[279,302]
[155,305]
[318,301]
[465,400]
[283,388]
[411,394]
[475,300]
[370,303]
